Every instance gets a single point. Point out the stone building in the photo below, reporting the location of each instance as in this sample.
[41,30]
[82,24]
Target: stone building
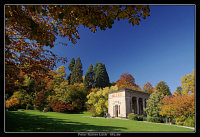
[124,101]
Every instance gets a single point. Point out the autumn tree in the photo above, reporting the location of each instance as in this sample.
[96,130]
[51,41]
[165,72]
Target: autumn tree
[178,91]
[59,76]
[148,88]
[77,72]
[188,83]
[127,81]
[179,107]
[98,101]
[101,78]
[40,102]
[29,28]
[163,88]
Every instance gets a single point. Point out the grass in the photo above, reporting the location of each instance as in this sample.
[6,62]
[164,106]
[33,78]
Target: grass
[35,121]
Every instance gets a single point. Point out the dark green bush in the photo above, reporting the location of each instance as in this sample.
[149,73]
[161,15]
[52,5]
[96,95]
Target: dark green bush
[140,117]
[154,119]
[132,116]
[173,121]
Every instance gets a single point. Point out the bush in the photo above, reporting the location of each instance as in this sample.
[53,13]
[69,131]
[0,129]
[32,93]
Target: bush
[141,118]
[29,106]
[190,122]
[62,107]
[154,119]
[12,104]
[132,116]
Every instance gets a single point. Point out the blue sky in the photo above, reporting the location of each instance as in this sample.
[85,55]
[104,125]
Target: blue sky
[161,48]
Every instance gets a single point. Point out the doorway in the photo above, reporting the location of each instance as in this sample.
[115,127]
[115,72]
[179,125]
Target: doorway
[116,110]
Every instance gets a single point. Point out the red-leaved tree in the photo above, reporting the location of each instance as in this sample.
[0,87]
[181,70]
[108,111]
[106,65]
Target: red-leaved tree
[127,81]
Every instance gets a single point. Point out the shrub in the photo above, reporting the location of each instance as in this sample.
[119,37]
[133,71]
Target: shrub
[12,104]
[190,122]
[173,121]
[62,107]
[180,120]
[154,119]
[132,116]
[140,117]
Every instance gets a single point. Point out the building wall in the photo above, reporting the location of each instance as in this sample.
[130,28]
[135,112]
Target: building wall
[123,98]
[117,98]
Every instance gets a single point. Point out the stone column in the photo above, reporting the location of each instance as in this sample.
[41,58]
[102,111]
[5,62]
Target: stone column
[138,105]
[143,105]
[131,105]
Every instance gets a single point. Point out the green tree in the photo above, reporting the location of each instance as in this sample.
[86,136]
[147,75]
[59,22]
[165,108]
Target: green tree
[188,83]
[77,96]
[163,88]
[101,77]
[178,91]
[77,72]
[152,109]
[71,64]
[89,78]
[70,67]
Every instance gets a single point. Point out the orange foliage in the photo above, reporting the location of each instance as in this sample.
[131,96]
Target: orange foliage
[12,102]
[148,88]
[127,81]
[178,106]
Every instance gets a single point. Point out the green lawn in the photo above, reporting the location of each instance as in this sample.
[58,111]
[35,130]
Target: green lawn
[34,121]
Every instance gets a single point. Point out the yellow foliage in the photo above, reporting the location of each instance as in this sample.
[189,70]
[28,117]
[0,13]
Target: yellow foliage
[98,100]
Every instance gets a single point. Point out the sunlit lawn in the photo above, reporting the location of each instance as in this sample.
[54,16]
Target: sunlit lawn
[35,121]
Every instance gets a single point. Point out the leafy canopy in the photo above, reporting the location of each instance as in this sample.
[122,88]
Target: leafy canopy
[163,88]
[188,83]
[29,28]
[127,81]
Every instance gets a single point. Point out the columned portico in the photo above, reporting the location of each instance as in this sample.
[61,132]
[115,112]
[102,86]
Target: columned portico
[125,101]
[137,105]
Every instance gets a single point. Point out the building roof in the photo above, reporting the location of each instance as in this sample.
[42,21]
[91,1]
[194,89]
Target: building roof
[129,90]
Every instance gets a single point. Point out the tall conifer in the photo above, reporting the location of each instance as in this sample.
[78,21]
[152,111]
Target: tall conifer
[101,77]
[89,78]
[70,67]
[77,72]
[71,64]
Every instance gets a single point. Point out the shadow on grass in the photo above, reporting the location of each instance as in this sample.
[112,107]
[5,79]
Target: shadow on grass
[24,122]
